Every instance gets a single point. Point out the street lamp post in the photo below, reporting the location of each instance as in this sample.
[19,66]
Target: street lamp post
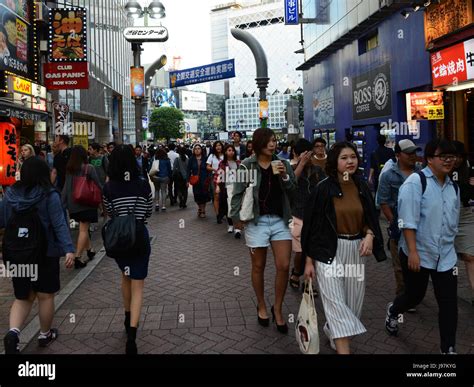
[155,10]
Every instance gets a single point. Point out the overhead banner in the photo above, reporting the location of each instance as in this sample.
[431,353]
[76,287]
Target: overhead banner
[371,94]
[291,12]
[207,73]
[68,35]
[15,44]
[453,65]
[66,76]
[425,106]
[137,82]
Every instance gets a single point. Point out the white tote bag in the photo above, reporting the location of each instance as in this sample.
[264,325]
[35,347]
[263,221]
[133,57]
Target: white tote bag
[306,325]
[246,211]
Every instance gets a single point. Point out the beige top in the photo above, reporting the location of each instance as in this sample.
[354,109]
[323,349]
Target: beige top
[349,211]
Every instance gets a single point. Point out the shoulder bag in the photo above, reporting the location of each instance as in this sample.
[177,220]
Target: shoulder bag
[306,326]
[85,190]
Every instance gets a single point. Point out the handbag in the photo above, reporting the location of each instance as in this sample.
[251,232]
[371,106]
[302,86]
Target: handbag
[246,210]
[306,326]
[155,168]
[194,179]
[86,191]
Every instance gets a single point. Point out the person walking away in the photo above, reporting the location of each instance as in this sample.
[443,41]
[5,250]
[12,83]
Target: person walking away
[307,178]
[172,155]
[428,214]
[378,158]
[387,198]
[161,178]
[35,196]
[85,215]
[180,177]
[142,161]
[123,194]
[213,162]
[340,228]
[269,226]
[197,167]
[463,175]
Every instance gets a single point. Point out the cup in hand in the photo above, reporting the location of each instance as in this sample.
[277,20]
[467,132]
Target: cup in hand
[275,165]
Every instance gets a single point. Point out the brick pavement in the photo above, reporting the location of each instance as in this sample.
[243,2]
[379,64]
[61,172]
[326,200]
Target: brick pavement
[198,299]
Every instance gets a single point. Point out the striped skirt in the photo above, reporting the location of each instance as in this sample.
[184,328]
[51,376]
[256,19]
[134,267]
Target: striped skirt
[342,288]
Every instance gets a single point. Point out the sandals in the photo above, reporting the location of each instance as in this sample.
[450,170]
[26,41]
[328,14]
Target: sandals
[294,284]
[201,214]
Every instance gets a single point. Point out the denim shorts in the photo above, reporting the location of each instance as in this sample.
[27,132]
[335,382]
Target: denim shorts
[268,229]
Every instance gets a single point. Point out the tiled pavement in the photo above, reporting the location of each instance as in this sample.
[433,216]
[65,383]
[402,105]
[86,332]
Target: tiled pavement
[198,299]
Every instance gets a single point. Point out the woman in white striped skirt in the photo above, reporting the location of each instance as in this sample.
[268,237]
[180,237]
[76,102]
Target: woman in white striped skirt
[340,229]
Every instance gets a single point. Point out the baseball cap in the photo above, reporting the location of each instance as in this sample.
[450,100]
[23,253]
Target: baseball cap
[406,146]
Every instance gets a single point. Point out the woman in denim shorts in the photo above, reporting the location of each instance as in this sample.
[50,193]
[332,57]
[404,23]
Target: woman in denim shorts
[271,216]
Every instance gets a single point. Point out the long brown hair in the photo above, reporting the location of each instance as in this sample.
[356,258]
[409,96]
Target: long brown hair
[76,160]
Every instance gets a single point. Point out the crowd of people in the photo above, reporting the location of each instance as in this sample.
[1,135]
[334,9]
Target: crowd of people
[310,204]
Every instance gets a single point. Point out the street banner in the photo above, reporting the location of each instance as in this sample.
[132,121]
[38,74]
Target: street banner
[8,153]
[68,35]
[425,106]
[137,82]
[371,94]
[66,76]
[207,73]
[15,44]
[291,12]
[453,64]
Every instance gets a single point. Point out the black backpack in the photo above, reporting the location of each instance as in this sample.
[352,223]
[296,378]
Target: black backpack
[25,240]
[424,183]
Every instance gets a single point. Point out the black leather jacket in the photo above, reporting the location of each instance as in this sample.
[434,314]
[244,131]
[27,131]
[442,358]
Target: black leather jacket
[319,235]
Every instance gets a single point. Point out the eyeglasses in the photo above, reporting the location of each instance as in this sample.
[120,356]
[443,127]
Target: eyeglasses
[446,157]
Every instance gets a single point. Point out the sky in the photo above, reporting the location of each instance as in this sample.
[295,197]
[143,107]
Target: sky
[188,25]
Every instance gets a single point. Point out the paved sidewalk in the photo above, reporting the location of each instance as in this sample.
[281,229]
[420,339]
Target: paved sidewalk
[198,299]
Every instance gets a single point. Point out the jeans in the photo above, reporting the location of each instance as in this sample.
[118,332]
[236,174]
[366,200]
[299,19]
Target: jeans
[445,286]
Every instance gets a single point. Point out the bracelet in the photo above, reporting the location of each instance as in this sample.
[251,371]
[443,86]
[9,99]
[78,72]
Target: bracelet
[370,233]
[287,178]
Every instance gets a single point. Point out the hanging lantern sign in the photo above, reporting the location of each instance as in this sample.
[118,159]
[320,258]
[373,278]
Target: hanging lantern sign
[8,153]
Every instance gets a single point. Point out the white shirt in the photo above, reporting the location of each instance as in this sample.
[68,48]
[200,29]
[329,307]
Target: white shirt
[172,155]
[213,161]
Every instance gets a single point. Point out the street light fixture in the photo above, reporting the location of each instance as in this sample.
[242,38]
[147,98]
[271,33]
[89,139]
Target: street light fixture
[156,10]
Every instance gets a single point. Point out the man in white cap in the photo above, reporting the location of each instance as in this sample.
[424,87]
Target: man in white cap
[387,198]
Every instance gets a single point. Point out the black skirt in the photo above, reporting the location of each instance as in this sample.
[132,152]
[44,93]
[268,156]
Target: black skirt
[89,216]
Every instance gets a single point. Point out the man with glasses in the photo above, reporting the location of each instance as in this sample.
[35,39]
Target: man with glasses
[319,153]
[428,214]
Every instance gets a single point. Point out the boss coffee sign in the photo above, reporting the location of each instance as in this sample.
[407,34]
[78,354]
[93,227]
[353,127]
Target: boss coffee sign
[371,94]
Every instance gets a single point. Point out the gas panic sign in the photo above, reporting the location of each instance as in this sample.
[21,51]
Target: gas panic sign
[146,34]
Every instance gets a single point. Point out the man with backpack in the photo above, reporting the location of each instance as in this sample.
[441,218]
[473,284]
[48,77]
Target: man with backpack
[36,236]
[387,199]
[428,214]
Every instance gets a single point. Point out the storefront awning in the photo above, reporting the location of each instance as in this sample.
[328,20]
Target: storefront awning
[23,113]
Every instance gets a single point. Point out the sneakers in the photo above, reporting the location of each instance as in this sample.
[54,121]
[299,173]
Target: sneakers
[163,208]
[391,323]
[412,310]
[451,351]
[327,332]
[11,342]
[230,229]
[237,234]
[45,340]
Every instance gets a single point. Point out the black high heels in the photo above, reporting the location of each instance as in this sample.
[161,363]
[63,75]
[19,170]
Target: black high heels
[280,328]
[264,322]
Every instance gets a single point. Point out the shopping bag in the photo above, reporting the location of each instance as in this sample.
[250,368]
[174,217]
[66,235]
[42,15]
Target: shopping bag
[85,191]
[306,326]
[246,210]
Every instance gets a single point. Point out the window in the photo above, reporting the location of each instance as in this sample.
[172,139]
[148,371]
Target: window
[368,42]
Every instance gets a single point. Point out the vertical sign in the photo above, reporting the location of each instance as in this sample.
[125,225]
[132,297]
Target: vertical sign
[137,82]
[60,118]
[291,12]
[68,35]
[8,153]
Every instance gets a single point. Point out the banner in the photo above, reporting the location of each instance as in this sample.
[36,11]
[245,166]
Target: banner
[425,106]
[323,107]
[371,94]
[8,153]
[68,35]
[15,44]
[453,65]
[66,76]
[207,73]
[137,82]
[60,118]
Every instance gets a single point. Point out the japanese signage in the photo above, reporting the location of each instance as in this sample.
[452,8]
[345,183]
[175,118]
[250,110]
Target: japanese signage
[15,44]
[60,117]
[26,93]
[146,34]
[20,85]
[137,82]
[67,35]
[323,107]
[291,12]
[211,72]
[8,153]
[66,76]
[81,140]
[425,106]
[371,94]
[20,114]
[446,17]
[454,64]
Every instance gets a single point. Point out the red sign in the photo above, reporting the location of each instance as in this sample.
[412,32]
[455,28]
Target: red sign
[66,76]
[8,153]
[453,65]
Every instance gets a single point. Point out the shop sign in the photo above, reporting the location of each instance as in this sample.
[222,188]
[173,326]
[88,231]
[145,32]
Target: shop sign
[8,153]
[66,76]
[425,106]
[20,114]
[453,65]
[15,47]
[60,117]
[19,85]
[371,94]
[68,35]
[291,12]
[146,34]
[81,141]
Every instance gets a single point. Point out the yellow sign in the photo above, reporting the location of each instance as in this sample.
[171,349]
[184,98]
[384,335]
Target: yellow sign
[263,109]
[21,85]
[82,141]
[436,112]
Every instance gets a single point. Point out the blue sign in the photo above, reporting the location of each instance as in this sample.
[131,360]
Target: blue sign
[291,12]
[207,73]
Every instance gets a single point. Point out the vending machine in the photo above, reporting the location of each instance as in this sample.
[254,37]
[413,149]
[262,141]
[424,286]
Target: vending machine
[329,135]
